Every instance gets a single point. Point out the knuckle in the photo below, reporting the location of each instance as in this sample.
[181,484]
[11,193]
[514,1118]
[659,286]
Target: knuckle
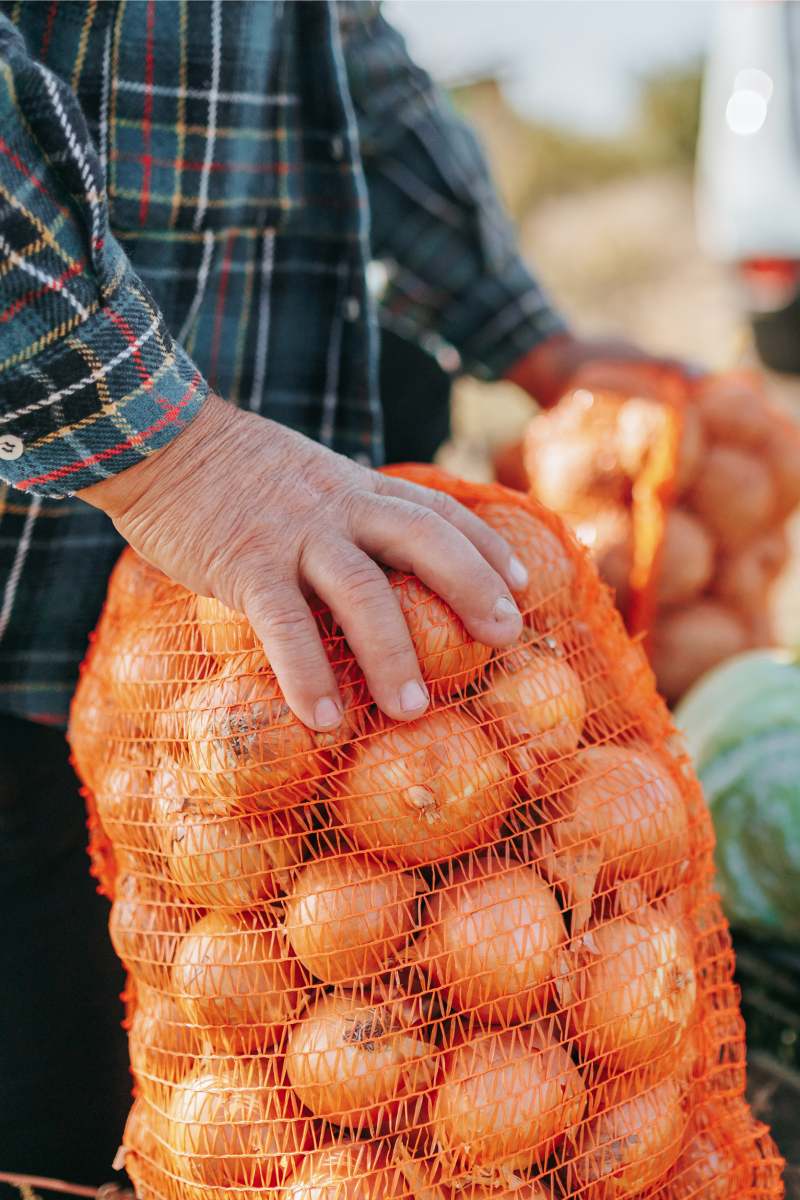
[283,623]
[362,581]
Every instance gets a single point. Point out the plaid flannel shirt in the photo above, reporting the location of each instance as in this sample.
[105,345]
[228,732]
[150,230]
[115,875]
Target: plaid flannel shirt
[190,195]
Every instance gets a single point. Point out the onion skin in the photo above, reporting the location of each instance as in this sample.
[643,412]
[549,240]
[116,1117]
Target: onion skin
[236,1122]
[348,917]
[449,659]
[218,860]
[352,1171]
[247,746]
[783,454]
[714,1163]
[362,1066]
[631,1145]
[687,559]
[124,804]
[424,791]
[496,941]
[551,570]
[733,495]
[507,1100]
[732,410]
[152,663]
[690,641]
[743,579]
[145,929]
[237,982]
[538,705]
[635,990]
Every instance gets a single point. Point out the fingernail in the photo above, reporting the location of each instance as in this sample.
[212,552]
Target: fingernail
[327,713]
[505,608]
[413,696]
[518,572]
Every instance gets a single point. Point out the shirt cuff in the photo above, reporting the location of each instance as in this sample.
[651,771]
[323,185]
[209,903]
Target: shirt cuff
[97,400]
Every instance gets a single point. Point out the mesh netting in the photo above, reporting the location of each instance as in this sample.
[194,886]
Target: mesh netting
[681,489]
[473,957]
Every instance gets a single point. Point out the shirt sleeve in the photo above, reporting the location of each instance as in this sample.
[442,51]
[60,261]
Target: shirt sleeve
[453,265]
[91,381]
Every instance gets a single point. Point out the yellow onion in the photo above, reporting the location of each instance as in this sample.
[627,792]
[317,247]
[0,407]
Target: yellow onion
[496,940]
[537,704]
[507,1101]
[233,1122]
[224,631]
[237,981]
[551,570]
[687,559]
[632,1142]
[146,928]
[349,916]
[635,991]
[362,1062]
[426,790]
[219,860]
[689,641]
[348,1171]
[733,495]
[449,659]
[162,1046]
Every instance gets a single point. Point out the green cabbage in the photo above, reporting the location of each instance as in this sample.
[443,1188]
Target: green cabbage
[741,723]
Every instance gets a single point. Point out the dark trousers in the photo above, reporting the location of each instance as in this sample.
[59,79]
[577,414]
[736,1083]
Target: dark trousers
[64,1080]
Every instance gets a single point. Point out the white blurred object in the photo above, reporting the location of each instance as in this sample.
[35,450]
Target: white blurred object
[748,169]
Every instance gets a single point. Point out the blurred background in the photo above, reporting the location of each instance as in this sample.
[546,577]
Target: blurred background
[649,155]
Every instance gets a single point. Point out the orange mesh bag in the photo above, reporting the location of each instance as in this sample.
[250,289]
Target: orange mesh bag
[681,489]
[474,957]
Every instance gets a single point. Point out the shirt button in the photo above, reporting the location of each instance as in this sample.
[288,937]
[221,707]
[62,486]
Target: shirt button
[352,309]
[11,446]
[337,148]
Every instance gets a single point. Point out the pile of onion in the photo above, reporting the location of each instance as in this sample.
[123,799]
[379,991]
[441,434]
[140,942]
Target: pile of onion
[424,791]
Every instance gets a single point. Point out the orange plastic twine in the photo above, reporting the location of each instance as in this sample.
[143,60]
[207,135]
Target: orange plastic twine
[473,957]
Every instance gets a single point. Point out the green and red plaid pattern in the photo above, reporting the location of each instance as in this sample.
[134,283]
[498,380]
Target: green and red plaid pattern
[190,194]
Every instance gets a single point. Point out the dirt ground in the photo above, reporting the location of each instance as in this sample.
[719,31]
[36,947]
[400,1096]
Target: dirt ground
[622,259]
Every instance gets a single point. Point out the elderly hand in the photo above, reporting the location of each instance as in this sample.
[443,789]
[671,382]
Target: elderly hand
[245,510]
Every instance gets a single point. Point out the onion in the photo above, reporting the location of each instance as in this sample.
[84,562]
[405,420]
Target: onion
[607,534]
[572,451]
[641,423]
[783,456]
[690,641]
[615,677]
[687,559]
[743,578]
[234,976]
[551,570]
[145,928]
[733,495]
[508,463]
[151,665]
[629,1147]
[364,1066]
[627,800]
[224,632]
[348,1171]
[135,587]
[162,1046]
[507,1101]
[715,1161]
[538,705]
[635,990]
[732,410]
[245,743]
[218,860]
[350,916]
[426,790]
[124,805]
[496,940]
[449,659]
[236,1122]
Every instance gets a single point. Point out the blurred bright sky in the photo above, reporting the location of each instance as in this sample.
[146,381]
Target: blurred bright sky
[571,62]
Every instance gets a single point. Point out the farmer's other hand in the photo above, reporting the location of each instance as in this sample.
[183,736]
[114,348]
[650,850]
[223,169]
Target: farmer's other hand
[243,509]
[545,372]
